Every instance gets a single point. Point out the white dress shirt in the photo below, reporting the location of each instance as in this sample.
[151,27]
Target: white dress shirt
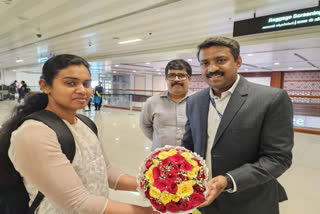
[214,121]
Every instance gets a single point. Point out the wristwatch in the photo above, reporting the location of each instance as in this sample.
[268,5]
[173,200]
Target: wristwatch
[229,186]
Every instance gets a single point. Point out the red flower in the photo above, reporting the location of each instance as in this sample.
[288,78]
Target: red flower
[172,176]
[196,199]
[174,168]
[201,175]
[156,172]
[198,188]
[161,184]
[165,162]
[147,194]
[185,166]
[156,154]
[185,205]
[177,158]
[182,177]
[172,207]
[158,205]
[172,187]
[198,161]
[148,164]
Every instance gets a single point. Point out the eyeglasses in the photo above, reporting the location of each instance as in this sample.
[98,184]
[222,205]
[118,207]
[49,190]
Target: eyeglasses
[172,76]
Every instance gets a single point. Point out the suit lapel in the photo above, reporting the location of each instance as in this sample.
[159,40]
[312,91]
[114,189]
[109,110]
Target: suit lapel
[238,98]
[204,109]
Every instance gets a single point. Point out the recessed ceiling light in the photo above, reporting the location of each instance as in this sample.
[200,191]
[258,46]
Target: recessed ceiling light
[246,69]
[19,60]
[277,63]
[129,41]
[158,69]
[117,65]
[290,68]
[147,63]
[114,72]
[189,60]
[249,54]
[134,71]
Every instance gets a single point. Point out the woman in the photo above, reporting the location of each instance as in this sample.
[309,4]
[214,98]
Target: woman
[80,187]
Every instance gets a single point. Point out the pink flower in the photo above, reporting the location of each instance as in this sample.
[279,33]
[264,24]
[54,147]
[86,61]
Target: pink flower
[185,166]
[185,205]
[196,199]
[172,207]
[161,184]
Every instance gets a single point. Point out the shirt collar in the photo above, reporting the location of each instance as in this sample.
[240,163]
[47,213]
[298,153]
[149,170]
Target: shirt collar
[166,94]
[230,90]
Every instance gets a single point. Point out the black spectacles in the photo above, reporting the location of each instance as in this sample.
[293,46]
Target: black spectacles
[172,76]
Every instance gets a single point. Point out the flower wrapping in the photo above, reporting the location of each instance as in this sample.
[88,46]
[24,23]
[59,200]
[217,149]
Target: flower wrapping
[173,179]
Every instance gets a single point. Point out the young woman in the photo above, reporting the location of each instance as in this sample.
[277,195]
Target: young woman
[77,187]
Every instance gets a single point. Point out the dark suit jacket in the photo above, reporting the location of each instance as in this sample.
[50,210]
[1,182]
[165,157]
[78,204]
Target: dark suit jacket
[253,144]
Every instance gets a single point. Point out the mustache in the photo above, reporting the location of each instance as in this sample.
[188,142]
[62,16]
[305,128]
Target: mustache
[177,83]
[216,73]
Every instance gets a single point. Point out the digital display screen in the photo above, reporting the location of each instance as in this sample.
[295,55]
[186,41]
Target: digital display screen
[281,21]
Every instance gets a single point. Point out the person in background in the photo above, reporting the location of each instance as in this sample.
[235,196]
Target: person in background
[22,91]
[81,186]
[98,96]
[243,130]
[163,117]
[12,90]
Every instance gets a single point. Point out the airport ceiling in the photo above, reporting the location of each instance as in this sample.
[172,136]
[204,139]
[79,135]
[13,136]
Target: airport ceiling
[32,30]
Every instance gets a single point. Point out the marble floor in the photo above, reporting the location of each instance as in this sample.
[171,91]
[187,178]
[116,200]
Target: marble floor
[127,147]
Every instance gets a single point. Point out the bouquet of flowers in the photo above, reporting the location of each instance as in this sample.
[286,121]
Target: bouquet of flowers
[173,179]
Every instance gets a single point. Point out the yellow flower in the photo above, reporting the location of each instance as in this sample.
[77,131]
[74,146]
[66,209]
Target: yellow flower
[193,162]
[175,198]
[163,155]
[187,155]
[191,174]
[166,197]
[172,152]
[155,162]
[191,182]
[184,189]
[154,192]
[196,169]
[149,174]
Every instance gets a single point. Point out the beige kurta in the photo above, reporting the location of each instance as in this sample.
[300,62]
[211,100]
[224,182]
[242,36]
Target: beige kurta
[78,188]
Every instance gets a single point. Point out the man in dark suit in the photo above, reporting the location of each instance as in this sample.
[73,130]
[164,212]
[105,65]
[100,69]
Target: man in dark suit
[243,130]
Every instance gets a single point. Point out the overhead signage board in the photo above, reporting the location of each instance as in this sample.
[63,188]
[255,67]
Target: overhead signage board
[281,21]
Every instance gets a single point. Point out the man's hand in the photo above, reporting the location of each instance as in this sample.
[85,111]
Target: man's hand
[215,187]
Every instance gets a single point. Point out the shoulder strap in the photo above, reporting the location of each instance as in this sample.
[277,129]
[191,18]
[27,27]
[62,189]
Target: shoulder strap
[88,122]
[65,138]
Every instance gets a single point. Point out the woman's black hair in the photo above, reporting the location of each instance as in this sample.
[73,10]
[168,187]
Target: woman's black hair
[35,101]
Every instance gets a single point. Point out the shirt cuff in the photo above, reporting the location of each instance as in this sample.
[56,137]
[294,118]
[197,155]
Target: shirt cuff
[234,185]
